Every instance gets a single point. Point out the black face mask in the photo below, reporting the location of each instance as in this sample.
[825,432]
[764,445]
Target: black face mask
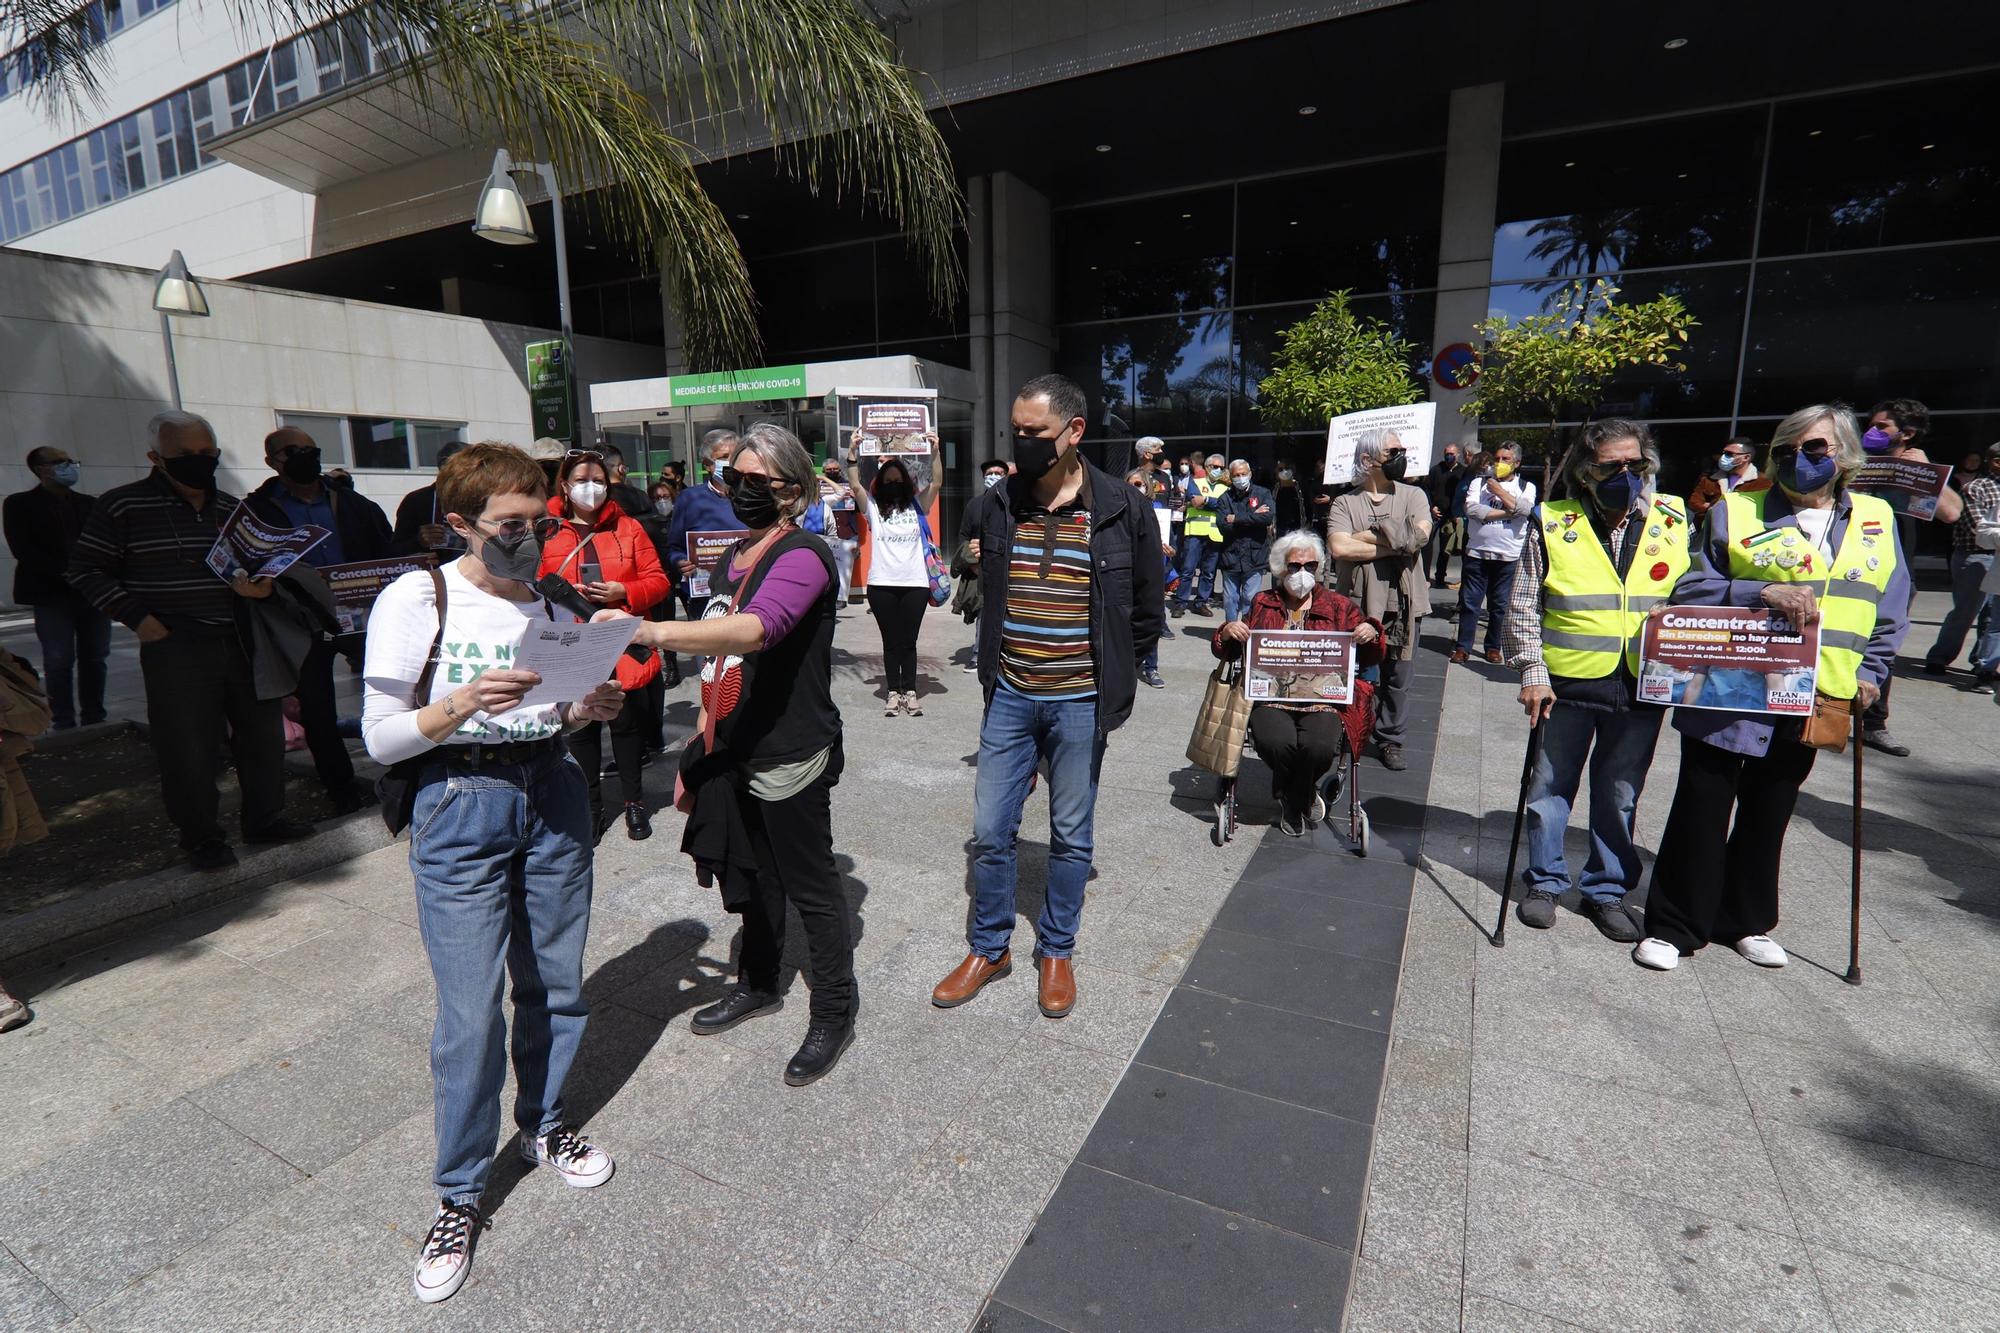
[753,502]
[194,471]
[517,558]
[1033,457]
[1395,465]
[302,466]
[892,490]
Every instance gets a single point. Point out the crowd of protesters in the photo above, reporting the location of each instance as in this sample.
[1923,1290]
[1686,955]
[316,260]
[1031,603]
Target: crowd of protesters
[1070,576]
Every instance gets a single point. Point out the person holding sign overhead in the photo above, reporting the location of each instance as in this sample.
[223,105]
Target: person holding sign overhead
[1303,742]
[892,516]
[610,558]
[500,839]
[1820,553]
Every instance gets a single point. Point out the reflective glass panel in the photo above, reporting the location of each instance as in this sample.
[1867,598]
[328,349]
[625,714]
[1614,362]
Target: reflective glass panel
[1152,376]
[379,443]
[1370,228]
[1410,317]
[825,298]
[1914,323]
[1884,168]
[1634,196]
[1145,257]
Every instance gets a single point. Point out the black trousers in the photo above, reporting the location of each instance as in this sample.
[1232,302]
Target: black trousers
[793,840]
[1300,748]
[899,614]
[198,684]
[1714,882]
[628,740]
[321,718]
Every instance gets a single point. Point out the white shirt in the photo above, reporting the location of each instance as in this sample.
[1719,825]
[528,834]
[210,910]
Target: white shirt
[480,632]
[895,549]
[1817,525]
[1498,537]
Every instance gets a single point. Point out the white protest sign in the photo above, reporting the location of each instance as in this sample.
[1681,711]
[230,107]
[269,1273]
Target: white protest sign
[1415,425]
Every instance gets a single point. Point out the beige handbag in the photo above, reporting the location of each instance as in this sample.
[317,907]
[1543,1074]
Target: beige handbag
[1219,728]
[1831,723]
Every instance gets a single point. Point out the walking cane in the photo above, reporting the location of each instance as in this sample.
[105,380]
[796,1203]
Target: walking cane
[1853,977]
[1514,846]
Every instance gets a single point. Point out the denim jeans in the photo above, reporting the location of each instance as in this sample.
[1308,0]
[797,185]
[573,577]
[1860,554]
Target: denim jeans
[75,638]
[1485,584]
[502,859]
[1237,590]
[1619,747]
[1016,732]
[1972,612]
[1198,555]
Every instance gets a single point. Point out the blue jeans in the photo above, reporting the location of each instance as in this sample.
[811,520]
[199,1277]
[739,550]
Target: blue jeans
[75,638]
[1972,612]
[1198,555]
[502,859]
[1484,586]
[1016,732]
[1237,590]
[1620,749]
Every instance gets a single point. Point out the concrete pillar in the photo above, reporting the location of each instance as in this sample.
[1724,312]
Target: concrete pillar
[979,309]
[1021,311]
[1465,235]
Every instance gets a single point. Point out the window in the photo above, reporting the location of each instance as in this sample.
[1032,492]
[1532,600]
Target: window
[1152,376]
[1411,317]
[1371,228]
[329,433]
[381,443]
[1155,256]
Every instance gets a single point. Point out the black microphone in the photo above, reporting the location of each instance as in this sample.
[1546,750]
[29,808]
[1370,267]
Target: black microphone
[559,591]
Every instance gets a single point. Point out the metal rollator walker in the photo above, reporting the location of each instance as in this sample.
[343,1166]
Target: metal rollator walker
[1344,778]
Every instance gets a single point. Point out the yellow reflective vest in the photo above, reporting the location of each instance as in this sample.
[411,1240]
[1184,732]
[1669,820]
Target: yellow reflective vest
[1848,592]
[1201,517]
[1589,615]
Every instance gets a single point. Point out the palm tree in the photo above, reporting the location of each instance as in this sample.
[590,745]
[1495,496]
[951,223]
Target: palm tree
[612,93]
[1583,244]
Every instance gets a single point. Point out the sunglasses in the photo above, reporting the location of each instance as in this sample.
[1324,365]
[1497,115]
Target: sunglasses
[514,529]
[1294,566]
[1815,449]
[1638,467]
[751,482]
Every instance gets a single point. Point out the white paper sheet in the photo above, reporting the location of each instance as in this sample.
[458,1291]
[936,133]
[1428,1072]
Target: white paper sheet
[572,659]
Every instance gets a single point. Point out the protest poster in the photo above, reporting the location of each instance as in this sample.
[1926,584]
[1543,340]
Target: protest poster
[245,545]
[357,584]
[1909,487]
[705,551]
[1735,659]
[1300,666]
[1415,425]
[882,429]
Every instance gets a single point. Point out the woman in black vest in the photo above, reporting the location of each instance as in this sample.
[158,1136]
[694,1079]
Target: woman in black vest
[770,734]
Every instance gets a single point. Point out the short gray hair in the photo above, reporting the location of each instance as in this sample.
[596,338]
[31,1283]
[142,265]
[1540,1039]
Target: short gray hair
[720,435]
[1373,444]
[1213,458]
[786,459]
[1847,451]
[176,420]
[1282,548]
[1243,463]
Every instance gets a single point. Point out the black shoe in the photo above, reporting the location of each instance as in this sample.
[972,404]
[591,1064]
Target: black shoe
[739,1006]
[1537,910]
[281,830]
[637,827]
[1614,921]
[1176,610]
[819,1053]
[1880,739]
[1936,669]
[1202,609]
[354,796]
[673,673]
[215,854]
[1392,758]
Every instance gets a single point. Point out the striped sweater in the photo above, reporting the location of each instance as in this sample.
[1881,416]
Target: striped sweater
[1045,632]
[143,552]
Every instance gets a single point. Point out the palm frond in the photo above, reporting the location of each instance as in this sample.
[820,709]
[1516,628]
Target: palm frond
[62,44]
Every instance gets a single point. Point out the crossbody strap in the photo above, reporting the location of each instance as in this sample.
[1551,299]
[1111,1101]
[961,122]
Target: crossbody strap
[437,641]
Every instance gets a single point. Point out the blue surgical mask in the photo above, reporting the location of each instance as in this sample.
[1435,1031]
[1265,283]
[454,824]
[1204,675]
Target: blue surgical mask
[66,473]
[1614,493]
[993,479]
[1802,475]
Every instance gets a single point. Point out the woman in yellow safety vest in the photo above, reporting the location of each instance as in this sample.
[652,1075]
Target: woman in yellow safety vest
[1820,554]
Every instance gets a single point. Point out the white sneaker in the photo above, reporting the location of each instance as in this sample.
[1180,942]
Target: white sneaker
[1656,954]
[1761,950]
[446,1258]
[1317,815]
[577,1161]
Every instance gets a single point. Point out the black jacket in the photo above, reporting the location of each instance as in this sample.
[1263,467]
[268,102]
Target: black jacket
[358,521]
[1127,605]
[41,526]
[1246,543]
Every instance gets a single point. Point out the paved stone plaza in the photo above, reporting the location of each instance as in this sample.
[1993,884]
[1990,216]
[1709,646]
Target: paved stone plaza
[225,1123]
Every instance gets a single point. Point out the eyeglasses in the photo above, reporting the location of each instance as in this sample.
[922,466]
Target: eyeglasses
[583,456]
[1814,449]
[1309,566]
[738,480]
[1638,467]
[514,529]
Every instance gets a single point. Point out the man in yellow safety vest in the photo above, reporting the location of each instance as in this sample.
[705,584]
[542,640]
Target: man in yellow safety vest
[1591,567]
[1201,537]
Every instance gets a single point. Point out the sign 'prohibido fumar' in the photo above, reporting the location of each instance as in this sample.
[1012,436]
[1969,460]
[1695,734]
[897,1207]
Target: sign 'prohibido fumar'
[1731,658]
[548,389]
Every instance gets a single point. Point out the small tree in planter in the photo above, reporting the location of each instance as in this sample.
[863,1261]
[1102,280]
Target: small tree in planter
[1334,362]
[1535,367]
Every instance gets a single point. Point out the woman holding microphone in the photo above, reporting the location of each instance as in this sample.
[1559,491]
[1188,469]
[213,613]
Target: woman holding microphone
[500,838]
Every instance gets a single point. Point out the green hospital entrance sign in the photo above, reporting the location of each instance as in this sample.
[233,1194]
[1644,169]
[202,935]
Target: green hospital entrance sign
[737,386]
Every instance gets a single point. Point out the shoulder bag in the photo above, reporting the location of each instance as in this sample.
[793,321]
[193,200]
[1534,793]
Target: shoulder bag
[934,566]
[396,789]
[1222,722]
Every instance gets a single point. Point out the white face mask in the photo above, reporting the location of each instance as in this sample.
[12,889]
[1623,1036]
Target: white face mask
[1284,474]
[586,494]
[1240,483]
[993,479]
[1184,469]
[663,506]
[1299,583]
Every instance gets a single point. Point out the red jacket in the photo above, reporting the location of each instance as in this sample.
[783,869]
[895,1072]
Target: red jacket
[1329,611]
[625,554]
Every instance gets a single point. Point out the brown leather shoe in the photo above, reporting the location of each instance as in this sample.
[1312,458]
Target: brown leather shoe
[969,977]
[1459,655]
[1057,994]
[1493,655]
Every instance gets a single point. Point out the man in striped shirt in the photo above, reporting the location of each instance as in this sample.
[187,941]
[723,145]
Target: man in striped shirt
[1072,590]
[142,560]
